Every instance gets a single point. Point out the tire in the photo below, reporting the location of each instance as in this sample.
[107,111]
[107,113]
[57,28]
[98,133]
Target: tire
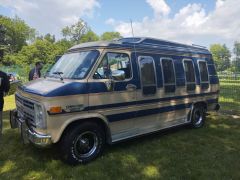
[82,143]
[198,116]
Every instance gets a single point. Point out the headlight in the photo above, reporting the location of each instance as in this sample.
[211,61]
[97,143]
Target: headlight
[39,117]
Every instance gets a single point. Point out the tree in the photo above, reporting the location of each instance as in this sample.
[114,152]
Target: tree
[108,36]
[2,40]
[50,38]
[2,35]
[41,50]
[221,56]
[76,31]
[89,37]
[17,33]
[236,51]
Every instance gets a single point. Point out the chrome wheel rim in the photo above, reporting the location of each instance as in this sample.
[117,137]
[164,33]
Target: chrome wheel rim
[86,144]
[198,117]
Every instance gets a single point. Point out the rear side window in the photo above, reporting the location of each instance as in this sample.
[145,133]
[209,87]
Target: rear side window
[168,75]
[203,71]
[204,82]
[148,77]
[189,75]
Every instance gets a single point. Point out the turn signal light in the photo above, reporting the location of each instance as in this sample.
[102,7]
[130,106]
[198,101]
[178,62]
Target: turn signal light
[55,110]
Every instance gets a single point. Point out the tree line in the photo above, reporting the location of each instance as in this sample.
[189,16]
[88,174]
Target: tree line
[21,45]
[226,61]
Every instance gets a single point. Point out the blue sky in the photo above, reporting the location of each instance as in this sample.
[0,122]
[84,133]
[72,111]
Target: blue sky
[189,21]
[124,10]
[134,9]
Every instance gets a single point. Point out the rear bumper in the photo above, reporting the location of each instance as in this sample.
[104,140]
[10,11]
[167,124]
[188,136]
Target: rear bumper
[27,134]
[213,107]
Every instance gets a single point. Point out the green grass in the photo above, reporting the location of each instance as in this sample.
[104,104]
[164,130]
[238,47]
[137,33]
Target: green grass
[211,152]
[230,96]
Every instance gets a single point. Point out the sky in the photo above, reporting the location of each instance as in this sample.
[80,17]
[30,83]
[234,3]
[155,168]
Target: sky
[202,22]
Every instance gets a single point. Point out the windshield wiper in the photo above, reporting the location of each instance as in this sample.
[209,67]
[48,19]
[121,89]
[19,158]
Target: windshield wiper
[59,74]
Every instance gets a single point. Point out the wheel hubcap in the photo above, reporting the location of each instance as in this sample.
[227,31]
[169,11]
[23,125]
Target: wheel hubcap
[86,144]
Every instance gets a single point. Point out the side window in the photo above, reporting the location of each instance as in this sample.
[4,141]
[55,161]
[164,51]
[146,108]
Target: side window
[189,75]
[203,74]
[112,64]
[148,77]
[168,75]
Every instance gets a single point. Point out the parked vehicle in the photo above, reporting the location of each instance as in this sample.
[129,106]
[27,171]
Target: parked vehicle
[105,92]
[12,76]
[14,82]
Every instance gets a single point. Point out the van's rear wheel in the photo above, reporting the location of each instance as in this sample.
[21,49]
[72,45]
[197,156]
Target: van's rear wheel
[82,143]
[198,116]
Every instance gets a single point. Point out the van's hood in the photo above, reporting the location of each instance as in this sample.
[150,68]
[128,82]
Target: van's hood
[54,87]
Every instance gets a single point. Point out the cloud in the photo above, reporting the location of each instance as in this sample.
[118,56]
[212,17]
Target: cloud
[110,21]
[191,24]
[219,3]
[51,15]
[160,7]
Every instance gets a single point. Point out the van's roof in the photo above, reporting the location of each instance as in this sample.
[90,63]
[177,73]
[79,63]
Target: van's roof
[141,43]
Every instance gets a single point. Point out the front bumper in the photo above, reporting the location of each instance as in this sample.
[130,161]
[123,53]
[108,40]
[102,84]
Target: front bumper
[27,134]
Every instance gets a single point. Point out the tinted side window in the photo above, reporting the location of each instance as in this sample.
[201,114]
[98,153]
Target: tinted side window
[189,75]
[189,71]
[111,63]
[168,71]
[168,75]
[203,71]
[203,75]
[147,75]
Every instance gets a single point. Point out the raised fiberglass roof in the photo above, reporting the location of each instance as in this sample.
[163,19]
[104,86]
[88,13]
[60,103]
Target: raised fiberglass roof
[143,42]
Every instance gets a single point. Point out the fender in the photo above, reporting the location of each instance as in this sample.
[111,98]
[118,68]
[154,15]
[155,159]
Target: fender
[80,118]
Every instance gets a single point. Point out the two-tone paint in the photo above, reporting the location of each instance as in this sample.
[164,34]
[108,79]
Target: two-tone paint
[125,111]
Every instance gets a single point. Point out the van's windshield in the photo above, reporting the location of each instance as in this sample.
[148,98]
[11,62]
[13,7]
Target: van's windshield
[74,65]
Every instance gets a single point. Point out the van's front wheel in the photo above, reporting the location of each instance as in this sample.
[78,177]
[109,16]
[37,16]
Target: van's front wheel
[198,116]
[82,143]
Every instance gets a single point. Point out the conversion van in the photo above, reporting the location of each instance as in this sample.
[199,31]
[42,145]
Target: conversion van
[105,92]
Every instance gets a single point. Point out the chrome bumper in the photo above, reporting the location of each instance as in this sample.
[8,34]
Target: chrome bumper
[40,140]
[28,135]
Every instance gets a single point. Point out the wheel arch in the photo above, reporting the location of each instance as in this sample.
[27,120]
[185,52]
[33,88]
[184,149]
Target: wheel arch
[101,121]
[201,103]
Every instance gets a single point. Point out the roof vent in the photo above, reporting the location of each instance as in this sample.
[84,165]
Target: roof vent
[195,45]
[130,40]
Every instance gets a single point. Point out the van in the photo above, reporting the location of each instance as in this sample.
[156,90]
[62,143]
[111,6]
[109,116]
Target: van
[105,92]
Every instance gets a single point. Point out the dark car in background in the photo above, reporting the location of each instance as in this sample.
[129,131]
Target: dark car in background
[12,76]
[14,81]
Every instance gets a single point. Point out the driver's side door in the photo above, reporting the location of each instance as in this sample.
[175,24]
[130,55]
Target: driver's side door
[113,93]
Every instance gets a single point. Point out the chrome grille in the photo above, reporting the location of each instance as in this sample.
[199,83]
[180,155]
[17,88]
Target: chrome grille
[26,110]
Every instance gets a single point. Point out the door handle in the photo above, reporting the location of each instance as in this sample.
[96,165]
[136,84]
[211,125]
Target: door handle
[131,87]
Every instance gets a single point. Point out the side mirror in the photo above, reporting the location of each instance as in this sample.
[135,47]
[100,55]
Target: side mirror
[118,75]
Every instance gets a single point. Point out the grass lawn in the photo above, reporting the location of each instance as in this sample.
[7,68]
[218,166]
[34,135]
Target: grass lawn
[211,152]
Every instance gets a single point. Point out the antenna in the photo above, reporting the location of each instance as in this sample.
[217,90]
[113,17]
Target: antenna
[133,41]
[132,28]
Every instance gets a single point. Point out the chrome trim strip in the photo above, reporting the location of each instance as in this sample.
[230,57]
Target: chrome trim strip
[148,132]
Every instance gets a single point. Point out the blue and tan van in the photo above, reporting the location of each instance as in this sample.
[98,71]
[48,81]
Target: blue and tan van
[105,92]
